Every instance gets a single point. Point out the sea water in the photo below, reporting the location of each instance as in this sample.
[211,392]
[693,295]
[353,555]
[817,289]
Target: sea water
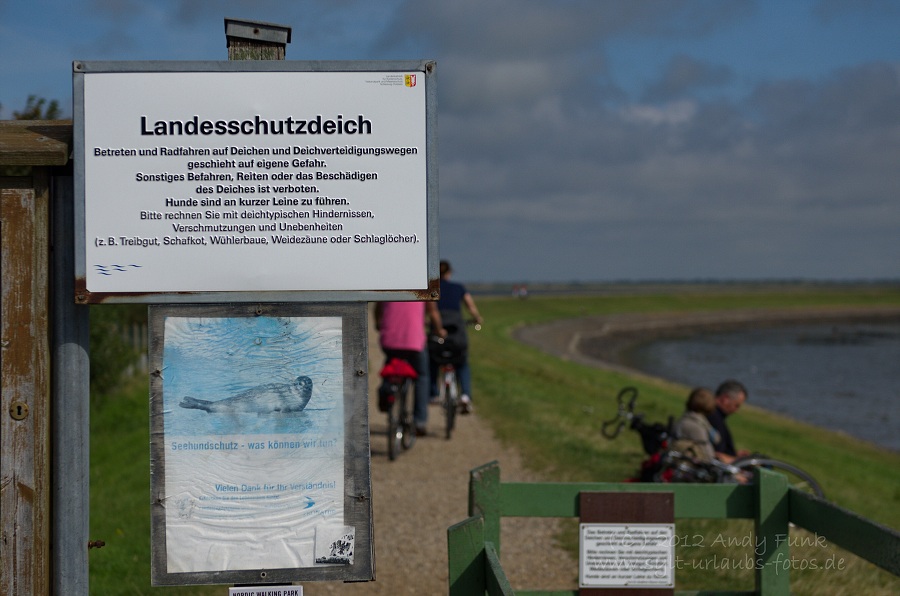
[844,377]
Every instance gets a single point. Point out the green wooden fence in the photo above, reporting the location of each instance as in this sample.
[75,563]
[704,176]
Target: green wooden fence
[474,544]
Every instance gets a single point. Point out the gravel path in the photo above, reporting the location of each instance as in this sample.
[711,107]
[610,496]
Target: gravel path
[425,491]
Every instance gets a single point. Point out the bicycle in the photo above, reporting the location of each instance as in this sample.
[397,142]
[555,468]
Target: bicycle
[448,354]
[668,465]
[394,398]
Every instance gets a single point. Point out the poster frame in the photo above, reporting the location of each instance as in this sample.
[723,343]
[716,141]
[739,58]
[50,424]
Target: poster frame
[356,449]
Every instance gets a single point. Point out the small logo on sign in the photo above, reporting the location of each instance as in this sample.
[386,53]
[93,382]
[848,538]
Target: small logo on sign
[410,80]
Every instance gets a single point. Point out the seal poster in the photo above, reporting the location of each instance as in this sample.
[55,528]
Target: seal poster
[254,440]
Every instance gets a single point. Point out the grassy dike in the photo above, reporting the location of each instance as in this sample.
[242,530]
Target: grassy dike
[551,410]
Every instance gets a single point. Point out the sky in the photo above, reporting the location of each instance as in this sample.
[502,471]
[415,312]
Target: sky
[587,140]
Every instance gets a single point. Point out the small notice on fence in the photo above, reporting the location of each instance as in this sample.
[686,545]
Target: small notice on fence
[632,555]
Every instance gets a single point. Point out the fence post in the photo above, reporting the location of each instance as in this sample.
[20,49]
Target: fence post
[773,553]
[484,500]
[466,557]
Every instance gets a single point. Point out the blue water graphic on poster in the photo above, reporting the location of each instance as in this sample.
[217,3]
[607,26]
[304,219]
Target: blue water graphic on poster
[243,375]
[254,440]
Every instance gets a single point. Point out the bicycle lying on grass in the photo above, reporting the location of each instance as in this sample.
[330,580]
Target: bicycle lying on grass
[448,354]
[664,464]
[395,398]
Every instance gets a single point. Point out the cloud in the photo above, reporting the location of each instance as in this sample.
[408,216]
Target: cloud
[799,173]
[684,74]
[863,97]
[676,112]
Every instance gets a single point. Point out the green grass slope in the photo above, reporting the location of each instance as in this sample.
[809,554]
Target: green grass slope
[551,410]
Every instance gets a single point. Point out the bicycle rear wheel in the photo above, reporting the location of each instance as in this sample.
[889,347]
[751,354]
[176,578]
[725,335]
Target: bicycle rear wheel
[394,431]
[797,477]
[451,402]
[407,426]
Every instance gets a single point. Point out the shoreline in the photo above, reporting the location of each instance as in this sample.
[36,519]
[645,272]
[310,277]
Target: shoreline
[607,342]
[603,341]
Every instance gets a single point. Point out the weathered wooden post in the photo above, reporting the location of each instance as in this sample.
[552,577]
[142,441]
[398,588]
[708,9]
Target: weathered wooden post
[254,40]
[44,416]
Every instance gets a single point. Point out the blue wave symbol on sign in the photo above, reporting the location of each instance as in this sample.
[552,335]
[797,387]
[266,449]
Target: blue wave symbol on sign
[111,269]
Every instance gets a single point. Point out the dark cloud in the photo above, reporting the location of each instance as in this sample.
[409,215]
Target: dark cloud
[861,98]
[520,51]
[520,28]
[545,161]
[802,176]
[684,74]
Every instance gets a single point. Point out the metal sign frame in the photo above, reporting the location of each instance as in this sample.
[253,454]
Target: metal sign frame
[427,289]
[252,409]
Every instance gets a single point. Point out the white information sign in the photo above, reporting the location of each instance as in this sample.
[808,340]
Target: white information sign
[254,181]
[632,555]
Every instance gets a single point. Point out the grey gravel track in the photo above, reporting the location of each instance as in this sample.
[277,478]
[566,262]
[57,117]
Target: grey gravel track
[425,491]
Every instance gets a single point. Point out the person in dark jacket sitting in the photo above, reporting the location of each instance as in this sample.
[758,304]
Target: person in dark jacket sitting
[730,396]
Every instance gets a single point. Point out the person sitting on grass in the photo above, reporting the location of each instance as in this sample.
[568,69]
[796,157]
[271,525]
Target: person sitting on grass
[730,396]
[694,435]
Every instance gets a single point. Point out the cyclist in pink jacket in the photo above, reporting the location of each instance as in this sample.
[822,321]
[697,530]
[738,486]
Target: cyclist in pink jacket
[401,327]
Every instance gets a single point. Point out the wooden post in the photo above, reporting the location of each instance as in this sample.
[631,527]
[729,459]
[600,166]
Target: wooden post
[30,416]
[255,40]
[484,499]
[771,530]
[24,431]
[25,348]
[466,558]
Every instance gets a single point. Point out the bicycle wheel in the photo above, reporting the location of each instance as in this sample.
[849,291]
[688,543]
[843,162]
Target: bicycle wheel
[797,477]
[407,427]
[451,401]
[394,432]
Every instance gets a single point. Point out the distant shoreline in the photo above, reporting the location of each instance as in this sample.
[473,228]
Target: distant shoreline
[602,341]
[620,288]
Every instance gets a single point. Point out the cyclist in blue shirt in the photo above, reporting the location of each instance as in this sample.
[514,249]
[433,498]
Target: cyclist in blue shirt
[453,297]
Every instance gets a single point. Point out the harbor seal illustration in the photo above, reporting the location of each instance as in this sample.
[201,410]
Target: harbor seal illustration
[271,398]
